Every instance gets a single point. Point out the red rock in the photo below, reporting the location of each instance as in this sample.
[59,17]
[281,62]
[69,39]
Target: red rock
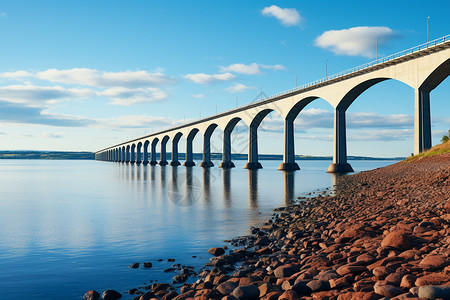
[271,296]
[382,271]
[434,262]
[339,283]
[398,240]
[289,295]
[91,295]
[347,269]
[365,296]
[394,279]
[447,207]
[227,288]
[248,292]
[286,270]
[324,294]
[408,281]
[432,279]
[267,288]
[231,297]
[387,290]
[345,296]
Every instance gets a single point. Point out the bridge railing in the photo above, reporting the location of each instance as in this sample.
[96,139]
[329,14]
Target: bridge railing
[381,60]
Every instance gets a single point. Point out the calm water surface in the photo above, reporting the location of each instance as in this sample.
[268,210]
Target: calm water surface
[70,226]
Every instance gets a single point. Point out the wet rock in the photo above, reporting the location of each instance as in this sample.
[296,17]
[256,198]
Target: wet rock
[170,295]
[246,292]
[147,296]
[434,292]
[91,295]
[135,292]
[216,251]
[171,260]
[347,269]
[408,281]
[393,279]
[134,265]
[301,289]
[179,278]
[147,265]
[271,296]
[111,295]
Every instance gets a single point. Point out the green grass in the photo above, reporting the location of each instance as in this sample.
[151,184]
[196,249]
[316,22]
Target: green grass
[438,149]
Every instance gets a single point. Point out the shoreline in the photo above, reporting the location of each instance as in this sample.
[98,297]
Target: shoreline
[386,233]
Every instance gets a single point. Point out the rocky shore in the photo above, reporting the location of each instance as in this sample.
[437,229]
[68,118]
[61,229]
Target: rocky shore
[384,234]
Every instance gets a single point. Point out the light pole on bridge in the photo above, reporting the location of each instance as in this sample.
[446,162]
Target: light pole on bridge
[428,29]
[326,69]
[377,47]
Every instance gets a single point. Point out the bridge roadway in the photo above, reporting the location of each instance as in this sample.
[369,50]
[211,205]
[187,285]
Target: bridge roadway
[422,67]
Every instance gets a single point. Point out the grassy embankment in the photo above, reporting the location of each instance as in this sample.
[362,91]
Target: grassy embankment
[438,149]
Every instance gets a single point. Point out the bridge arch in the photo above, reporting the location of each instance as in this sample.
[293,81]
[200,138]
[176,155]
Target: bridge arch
[139,153]
[207,163]
[127,154]
[175,139]
[226,146]
[133,153]
[436,77]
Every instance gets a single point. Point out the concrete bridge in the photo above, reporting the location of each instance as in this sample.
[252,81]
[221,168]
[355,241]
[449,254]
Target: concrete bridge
[422,67]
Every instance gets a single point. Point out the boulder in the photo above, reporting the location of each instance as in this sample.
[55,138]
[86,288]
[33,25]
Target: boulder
[111,295]
[286,270]
[434,262]
[397,239]
[91,295]
[387,290]
[227,287]
[434,292]
[216,251]
[248,292]
[289,295]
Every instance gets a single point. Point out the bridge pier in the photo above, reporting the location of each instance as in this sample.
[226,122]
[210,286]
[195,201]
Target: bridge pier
[340,164]
[289,163]
[207,163]
[163,161]
[145,158]
[175,162]
[253,162]
[133,154]
[189,156]
[422,121]
[153,161]
[127,155]
[226,151]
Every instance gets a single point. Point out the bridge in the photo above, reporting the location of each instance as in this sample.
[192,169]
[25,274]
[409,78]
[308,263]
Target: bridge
[422,67]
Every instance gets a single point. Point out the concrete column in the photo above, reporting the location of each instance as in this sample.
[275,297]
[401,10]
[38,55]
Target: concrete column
[133,155]
[253,162]
[124,155]
[340,164]
[175,161]
[422,121]
[207,163]
[127,157]
[139,155]
[153,161]
[145,161]
[163,161]
[226,151]
[289,163]
[189,157]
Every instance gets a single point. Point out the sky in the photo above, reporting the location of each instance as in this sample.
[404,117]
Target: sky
[85,75]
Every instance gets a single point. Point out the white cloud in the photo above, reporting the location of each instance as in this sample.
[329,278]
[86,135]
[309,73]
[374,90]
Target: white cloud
[239,87]
[16,74]
[95,78]
[355,41]
[126,96]
[251,69]
[386,135]
[38,95]
[198,96]
[287,16]
[3,14]
[203,78]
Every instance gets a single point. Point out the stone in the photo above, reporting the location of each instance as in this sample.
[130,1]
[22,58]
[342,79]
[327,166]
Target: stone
[408,281]
[170,295]
[111,295]
[91,295]
[216,251]
[246,292]
[147,296]
[447,207]
[382,271]
[147,265]
[230,297]
[387,290]
[394,279]
[347,269]
[179,278]
[286,270]
[272,296]
[433,292]
[398,240]
[339,283]
[267,288]
[301,289]
[432,279]
[289,295]
[434,262]
[134,265]
[318,285]
[227,287]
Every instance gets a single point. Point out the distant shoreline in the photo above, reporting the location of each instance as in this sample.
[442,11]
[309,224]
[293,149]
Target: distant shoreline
[73,155]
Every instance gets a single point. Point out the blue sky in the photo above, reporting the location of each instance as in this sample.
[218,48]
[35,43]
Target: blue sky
[83,75]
